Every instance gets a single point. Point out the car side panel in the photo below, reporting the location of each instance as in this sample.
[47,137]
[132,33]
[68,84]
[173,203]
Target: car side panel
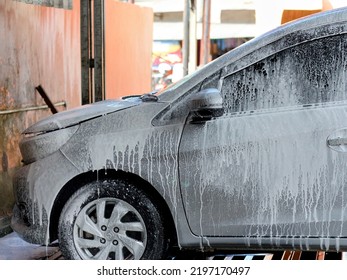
[265,175]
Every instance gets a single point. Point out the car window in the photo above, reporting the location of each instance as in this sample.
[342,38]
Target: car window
[309,73]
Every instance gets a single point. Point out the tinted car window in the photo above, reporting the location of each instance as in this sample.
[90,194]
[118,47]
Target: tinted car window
[308,73]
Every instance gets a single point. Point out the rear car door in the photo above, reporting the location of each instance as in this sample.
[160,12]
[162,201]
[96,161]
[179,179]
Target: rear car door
[274,164]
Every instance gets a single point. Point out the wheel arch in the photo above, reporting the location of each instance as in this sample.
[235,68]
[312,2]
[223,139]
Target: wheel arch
[80,180]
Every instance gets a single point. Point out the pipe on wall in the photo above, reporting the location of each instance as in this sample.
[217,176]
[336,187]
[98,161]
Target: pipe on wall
[33,108]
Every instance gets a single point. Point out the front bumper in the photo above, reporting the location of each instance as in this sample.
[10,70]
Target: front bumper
[30,222]
[32,233]
[36,187]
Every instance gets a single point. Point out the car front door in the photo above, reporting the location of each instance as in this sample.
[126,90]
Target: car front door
[274,164]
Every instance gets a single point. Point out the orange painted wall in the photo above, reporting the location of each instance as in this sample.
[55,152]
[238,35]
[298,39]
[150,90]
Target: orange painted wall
[38,45]
[289,15]
[128,49]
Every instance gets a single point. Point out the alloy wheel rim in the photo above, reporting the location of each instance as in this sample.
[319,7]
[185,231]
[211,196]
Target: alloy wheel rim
[109,228]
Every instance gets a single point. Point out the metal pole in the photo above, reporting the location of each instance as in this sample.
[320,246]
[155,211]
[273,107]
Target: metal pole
[185,47]
[192,38]
[46,98]
[99,50]
[205,39]
[85,49]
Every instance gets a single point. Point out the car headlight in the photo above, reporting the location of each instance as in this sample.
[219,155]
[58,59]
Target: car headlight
[38,146]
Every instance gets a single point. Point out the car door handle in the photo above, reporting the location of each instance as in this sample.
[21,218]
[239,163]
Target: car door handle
[335,142]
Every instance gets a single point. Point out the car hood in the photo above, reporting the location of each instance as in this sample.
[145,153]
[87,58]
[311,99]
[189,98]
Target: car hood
[81,114]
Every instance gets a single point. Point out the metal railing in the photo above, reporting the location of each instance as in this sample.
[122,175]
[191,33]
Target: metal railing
[31,108]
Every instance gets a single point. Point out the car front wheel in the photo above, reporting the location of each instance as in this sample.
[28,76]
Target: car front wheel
[111,219]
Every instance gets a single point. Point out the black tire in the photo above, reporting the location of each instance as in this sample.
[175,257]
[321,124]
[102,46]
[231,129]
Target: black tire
[111,219]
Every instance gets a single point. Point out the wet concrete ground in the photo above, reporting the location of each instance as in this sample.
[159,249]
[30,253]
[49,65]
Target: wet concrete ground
[14,248]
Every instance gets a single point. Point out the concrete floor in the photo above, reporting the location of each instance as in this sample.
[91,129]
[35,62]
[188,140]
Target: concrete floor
[14,248]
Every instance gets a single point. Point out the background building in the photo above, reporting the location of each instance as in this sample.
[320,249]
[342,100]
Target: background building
[231,22]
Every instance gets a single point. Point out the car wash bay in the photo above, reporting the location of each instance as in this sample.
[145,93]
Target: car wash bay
[61,80]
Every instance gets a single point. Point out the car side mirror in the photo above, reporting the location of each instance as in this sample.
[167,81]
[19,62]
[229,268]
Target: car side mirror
[206,104]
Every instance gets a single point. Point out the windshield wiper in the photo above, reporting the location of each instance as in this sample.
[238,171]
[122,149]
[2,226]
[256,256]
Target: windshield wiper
[147,97]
